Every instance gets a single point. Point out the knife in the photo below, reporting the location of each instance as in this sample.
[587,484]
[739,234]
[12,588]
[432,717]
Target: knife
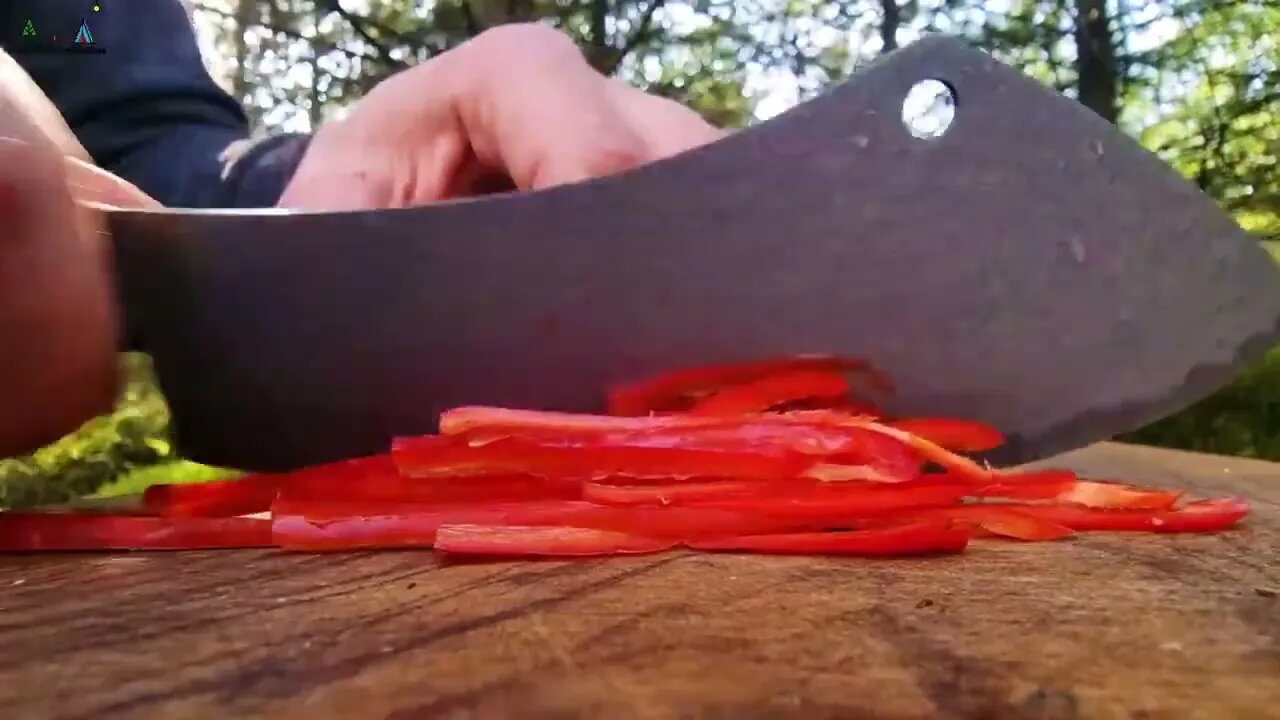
[1030,267]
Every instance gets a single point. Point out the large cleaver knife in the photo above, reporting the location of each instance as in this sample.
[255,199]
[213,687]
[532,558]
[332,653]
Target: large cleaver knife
[1030,267]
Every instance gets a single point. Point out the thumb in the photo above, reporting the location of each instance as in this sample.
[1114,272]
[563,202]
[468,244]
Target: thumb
[57,312]
[91,186]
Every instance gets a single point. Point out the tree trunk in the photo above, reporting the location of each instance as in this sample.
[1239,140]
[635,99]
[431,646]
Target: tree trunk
[598,50]
[890,19]
[315,107]
[1095,59]
[243,21]
[490,13]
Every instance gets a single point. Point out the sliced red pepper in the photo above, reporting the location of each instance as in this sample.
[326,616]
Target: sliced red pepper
[514,541]
[497,488]
[669,493]
[671,391]
[834,473]
[301,525]
[1025,485]
[1063,486]
[769,392]
[1198,516]
[836,504]
[500,422]
[356,476]
[1097,494]
[891,459]
[912,539]
[496,420]
[377,478]
[752,435]
[952,433]
[435,456]
[950,461]
[997,519]
[841,438]
[845,406]
[326,525]
[40,532]
[219,498]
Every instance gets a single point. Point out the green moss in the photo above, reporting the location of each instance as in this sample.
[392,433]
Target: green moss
[139,479]
[108,450]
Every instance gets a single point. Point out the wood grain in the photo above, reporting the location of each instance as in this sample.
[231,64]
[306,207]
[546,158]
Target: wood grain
[1138,627]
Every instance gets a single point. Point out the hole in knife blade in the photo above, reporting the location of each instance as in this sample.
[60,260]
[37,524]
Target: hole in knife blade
[929,109]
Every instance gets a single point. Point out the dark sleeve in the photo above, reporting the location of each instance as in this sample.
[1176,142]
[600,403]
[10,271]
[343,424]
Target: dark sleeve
[136,94]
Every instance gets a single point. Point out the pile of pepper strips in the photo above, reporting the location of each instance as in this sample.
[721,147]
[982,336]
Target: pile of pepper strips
[773,457]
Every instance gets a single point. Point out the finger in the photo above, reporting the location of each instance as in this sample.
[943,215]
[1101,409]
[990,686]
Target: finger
[331,177]
[667,127]
[27,113]
[334,191]
[352,164]
[57,317]
[91,184]
[533,107]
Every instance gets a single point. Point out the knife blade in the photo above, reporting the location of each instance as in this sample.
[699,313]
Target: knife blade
[1030,267]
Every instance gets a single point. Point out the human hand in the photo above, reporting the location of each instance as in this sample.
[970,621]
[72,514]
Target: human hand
[517,107]
[57,311]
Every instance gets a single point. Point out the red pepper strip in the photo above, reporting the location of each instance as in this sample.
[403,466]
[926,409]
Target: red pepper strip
[459,420]
[358,475]
[514,541]
[820,433]
[737,436]
[834,473]
[666,391]
[951,433]
[1098,494]
[950,461]
[1199,516]
[376,478]
[669,493]
[529,512]
[1063,486]
[752,435]
[299,525]
[891,458]
[1024,485]
[495,422]
[37,532]
[498,422]
[997,519]
[913,539]
[500,488]
[855,408]
[768,392]
[219,498]
[436,456]
[325,527]
[830,505]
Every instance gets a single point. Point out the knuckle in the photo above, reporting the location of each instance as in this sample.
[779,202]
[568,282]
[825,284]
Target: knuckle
[529,39]
[608,158]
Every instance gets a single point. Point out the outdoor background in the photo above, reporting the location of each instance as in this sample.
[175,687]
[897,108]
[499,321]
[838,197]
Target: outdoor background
[1197,81]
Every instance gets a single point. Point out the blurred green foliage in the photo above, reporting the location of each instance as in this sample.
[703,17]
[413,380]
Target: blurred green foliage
[1241,419]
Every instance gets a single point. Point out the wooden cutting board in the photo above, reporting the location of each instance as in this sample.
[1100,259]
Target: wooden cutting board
[1100,626]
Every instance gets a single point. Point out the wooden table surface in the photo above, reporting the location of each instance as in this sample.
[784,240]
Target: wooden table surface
[1099,626]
